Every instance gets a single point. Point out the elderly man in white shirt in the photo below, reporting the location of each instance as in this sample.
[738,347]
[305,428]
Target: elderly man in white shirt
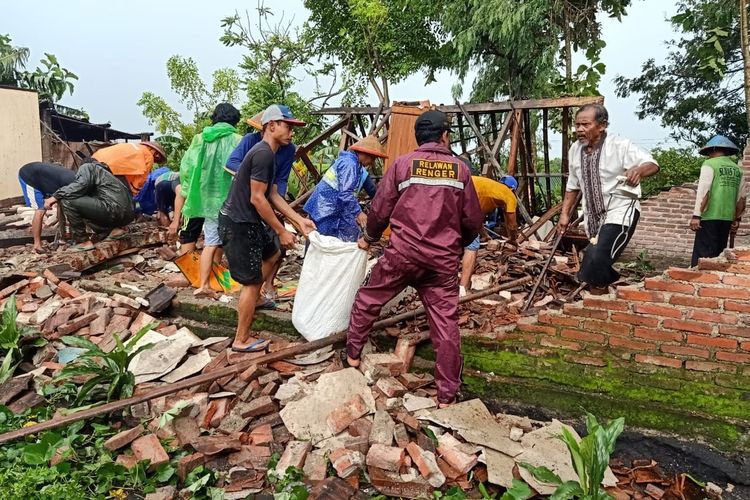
[608,170]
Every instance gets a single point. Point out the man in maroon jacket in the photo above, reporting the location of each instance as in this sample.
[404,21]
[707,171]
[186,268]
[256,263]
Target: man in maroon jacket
[429,201]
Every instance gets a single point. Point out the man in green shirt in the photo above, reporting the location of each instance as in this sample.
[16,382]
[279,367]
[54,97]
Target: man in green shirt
[719,201]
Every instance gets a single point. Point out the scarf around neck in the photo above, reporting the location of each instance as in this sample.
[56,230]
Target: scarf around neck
[596,209]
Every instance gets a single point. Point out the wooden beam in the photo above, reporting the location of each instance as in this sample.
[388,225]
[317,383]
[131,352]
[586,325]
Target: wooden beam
[545,145]
[310,167]
[305,148]
[375,119]
[524,235]
[487,107]
[521,209]
[461,137]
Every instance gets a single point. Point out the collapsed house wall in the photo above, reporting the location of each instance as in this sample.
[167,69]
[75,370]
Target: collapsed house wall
[672,353]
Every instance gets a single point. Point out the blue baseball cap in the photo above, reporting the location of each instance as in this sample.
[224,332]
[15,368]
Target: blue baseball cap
[279,112]
[510,181]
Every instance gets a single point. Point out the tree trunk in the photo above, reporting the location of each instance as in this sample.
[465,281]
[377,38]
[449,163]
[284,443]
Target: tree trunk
[568,50]
[745,46]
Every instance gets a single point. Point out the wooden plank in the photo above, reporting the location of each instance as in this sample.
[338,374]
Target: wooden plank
[361,123]
[313,143]
[514,138]
[521,209]
[530,160]
[461,137]
[487,107]
[401,138]
[310,167]
[524,235]
[545,145]
[565,148]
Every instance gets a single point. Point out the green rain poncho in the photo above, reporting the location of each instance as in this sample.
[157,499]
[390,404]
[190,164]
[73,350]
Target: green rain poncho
[205,183]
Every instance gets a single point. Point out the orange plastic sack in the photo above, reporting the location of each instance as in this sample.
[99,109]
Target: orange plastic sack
[219,281]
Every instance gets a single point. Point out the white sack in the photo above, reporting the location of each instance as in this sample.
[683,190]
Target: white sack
[331,275]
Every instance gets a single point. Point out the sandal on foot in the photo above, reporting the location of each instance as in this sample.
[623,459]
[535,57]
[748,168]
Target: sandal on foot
[257,346]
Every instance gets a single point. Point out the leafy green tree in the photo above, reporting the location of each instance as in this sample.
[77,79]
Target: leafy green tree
[677,167]
[193,93]
[699,91]
[524,49]
[51,80]
[379,42]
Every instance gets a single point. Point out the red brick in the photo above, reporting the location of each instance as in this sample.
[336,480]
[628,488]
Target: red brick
[427,464]
[658,360]
[669,286]
[342,416]
[639,295]
[316,468]
[560,344]
[546,330]
[346,462]
[730,305]
[712,265]
[745,346]
[692,276]
[294,456]
[51,277]
[658,335]
[188,463]
[724,293]
[259,406]
[576,310]
[713,317]
[735,331]
[706,366]
[734,357]
[262,434]
[391,387]
[607,327]
[688,326]
[631,344]
[733,280]
[684,351]
[123,438]
[585,336]
[449,449]
[634,319]
[67,291]
[684,300]
[148,447]
[545,317]
[721,342]
[385,457]
[585,360]
[657,310]
[607,304]
[76,324]
[10,290]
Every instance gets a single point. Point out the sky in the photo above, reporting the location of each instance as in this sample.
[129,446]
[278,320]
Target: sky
[119,50]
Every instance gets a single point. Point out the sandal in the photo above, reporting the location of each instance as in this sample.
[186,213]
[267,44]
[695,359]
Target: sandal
[268,305]
[257,346]
[80,248]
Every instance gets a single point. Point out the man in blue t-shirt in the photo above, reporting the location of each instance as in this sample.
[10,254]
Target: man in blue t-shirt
[284,160]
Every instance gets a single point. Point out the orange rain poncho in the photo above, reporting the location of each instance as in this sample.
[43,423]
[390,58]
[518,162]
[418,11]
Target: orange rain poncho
[132,161]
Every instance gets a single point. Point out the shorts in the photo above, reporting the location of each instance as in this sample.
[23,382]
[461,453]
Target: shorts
[192,231]
[211,236]
[31,195]
[165,193]
[473,246]
[246,246]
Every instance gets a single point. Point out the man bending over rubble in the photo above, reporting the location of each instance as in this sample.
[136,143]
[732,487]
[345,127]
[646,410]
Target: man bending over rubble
[429,201]
[97,201]
[493,195]
[248,224]
[608,170]
[38,181]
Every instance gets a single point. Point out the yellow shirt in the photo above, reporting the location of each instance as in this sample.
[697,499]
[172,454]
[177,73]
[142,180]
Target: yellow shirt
[133,161]
[493,194]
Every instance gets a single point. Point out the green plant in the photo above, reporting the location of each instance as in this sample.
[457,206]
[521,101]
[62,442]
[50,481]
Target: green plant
[289,485]
[104,368]
[590,459]
[199,483]
[11,335]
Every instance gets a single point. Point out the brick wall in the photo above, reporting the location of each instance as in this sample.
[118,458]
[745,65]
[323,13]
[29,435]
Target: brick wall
[663,228]
[688,320]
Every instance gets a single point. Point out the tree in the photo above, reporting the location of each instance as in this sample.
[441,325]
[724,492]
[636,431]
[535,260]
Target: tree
[524,49]
[196,96]
[699,91]
[51,81]
[379,42]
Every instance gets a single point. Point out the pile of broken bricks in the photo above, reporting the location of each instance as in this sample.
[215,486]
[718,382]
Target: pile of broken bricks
[334,424]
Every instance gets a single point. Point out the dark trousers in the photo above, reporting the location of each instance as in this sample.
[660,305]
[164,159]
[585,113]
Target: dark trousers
[596,267]
[91,212]
[710,240]
[438,293]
